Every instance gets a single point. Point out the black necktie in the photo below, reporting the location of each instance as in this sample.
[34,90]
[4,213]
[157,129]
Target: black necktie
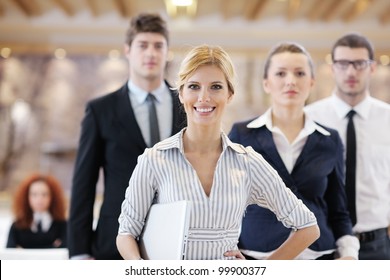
[153,122]
[350,171]
[39,226]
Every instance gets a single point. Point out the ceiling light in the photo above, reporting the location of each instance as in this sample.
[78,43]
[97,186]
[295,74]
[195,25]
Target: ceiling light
[181,7]
[182,3]
[384,59]
[5,52]
[60,53]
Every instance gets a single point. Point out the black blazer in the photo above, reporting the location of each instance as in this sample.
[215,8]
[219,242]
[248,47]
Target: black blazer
[55,237]
[317,179]
[112,140]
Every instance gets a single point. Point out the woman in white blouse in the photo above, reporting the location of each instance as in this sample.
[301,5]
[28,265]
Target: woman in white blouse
[202,165]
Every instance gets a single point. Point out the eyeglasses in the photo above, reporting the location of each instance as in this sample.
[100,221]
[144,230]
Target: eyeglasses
[357,64]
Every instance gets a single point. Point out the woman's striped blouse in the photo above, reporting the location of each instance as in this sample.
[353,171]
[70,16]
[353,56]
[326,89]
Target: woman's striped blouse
[241,177]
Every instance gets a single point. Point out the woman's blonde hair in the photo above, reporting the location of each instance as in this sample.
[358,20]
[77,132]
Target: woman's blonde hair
[206,55]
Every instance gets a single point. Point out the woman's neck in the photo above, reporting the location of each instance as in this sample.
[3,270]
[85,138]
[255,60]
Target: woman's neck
[202,140]
[292,115]
[289,121]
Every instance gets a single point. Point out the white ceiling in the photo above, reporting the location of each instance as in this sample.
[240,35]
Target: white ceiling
[99,25]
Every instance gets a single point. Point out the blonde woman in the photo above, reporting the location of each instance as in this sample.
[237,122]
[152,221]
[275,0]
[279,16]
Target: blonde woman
[202,165]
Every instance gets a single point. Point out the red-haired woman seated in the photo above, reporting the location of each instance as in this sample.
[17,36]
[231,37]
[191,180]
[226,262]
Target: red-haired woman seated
[39,209]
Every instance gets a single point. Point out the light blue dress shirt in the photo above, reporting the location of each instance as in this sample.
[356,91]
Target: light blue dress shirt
[164,109]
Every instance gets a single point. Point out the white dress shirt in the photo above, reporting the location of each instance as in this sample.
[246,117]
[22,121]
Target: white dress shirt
[164,110]
[43,218]
[241,177]
[372,125]
[289,152]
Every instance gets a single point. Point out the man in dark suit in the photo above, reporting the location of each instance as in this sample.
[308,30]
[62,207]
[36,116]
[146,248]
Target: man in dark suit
[114,132]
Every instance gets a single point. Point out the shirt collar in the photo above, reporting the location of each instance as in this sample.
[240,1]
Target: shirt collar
[342,108]
[263,120]
[44,218]
[266,120]
[311,126]
[176,142]
[140,94]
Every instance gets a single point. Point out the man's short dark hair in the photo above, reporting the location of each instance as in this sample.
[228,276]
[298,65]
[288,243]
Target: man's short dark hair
[146,22]
[354,40]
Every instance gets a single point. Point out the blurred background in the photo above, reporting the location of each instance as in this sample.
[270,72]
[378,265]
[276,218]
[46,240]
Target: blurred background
[55,55]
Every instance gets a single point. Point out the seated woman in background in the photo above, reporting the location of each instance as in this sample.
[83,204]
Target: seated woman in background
[39,209]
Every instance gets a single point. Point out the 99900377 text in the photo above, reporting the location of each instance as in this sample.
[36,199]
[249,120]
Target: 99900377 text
[245,270]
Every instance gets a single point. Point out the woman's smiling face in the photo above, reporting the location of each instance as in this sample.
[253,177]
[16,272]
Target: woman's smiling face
[205,95]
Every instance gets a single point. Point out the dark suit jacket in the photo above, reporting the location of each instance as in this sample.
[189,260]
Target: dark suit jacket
[317,179]
[112,140]
[28,239]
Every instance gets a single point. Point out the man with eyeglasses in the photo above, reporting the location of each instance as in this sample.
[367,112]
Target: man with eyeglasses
[364,126]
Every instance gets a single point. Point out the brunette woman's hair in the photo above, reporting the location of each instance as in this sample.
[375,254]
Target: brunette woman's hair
[287,47]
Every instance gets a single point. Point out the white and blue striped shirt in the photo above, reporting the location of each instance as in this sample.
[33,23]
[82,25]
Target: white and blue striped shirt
[242,177]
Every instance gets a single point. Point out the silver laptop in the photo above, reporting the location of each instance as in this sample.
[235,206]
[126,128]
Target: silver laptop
[165,233]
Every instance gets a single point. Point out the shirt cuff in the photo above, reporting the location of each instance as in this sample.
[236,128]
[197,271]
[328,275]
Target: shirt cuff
[348,246]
